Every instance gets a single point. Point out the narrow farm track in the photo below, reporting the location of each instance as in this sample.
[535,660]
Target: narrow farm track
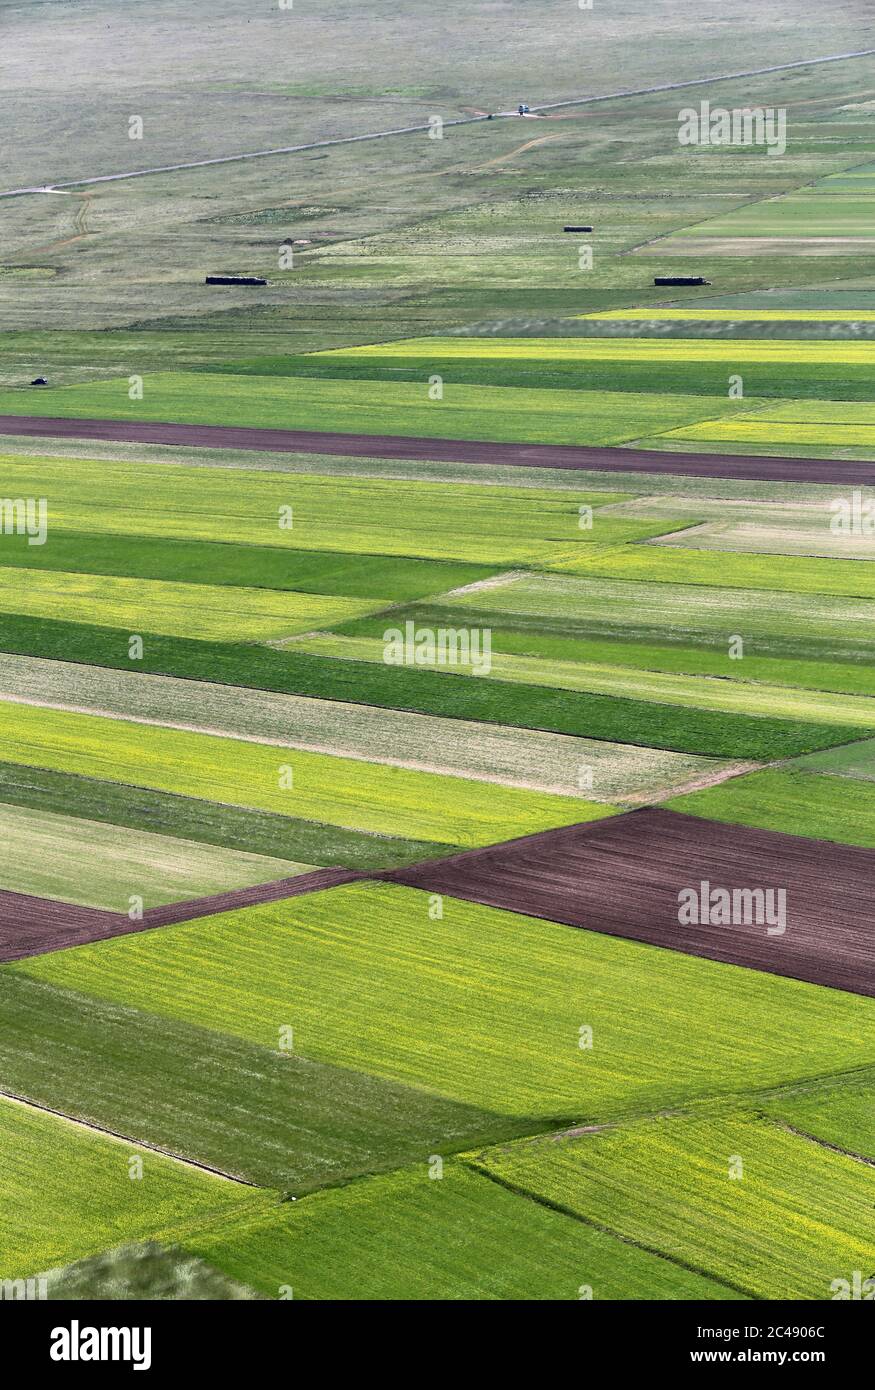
[457,121]
[31,926]
[590,458]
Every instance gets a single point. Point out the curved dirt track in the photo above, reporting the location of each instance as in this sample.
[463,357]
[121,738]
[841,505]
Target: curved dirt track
[597,458]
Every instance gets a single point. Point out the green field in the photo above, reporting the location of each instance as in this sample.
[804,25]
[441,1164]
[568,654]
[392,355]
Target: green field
[460,1237]
[852,760]
[830,217]
[278,1118]
[482,1006]
[807,424]
[837,1111]
[343,516]
[537,415]
[795,802]
[371,1092]
[792,574]
[69,1193]
[798,1217]
[454,695]
[772,624]
[81,861]
[208,822]
[768,366]
[380,577]
[710,660]
[184,610]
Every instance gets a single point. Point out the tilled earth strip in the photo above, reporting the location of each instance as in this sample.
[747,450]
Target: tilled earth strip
[598,458]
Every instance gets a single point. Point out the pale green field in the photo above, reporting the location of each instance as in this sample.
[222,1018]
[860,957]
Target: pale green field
[839,1110]
[809,538]
[796,1218]
[340,791]
[212,612]
[679,611]
[790,798]
[457,747]
[480,1005]
[766,430]
[81,861]
[853,760]
[832,215]
[68,1193]
[704,692]
[754,526]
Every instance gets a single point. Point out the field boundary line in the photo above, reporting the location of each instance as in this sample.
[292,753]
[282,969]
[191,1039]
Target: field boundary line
[561,1210]
[825,1144]
[29,1104]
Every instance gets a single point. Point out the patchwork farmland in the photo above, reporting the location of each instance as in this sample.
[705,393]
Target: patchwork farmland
[437,700]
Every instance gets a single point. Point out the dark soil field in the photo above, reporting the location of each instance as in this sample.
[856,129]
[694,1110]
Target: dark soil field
[622,876]
[389,446]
